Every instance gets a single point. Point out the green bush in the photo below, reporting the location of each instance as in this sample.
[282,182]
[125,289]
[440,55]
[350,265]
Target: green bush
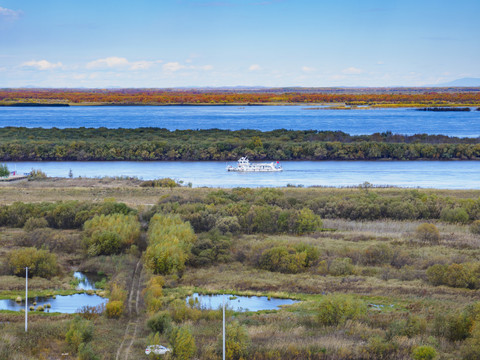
[210,248]
[86,352]
[427,233]
[153,293]
[283,259]
[307,222]
[165,182]
[114,309]
[36,174]
[110,234]
[475,227]
[424,352]
[464,275]
[228,224]
[470,349]
[380,349]
[35,223]
[341,267]
[40,262]
[166,257]
[4,172]
[336,309]
[454,327]
[160,322]
[312,253]
[183,343]
[455,215]
[237,341]
[414,325]
[169,244]
[79,331]
[378,255]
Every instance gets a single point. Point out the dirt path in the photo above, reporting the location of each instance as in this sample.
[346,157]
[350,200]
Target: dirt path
[129,336]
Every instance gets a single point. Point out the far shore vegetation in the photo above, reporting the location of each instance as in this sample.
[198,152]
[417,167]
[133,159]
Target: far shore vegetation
[339,98]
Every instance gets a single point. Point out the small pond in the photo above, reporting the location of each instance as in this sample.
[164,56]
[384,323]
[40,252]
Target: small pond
[239,303]
[67,304]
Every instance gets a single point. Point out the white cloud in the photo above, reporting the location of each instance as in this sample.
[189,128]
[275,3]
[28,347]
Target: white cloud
[254,67]
[176,66]
[308,69]
[173,66]
[120,63]
[352,71]
[9,14]
[41,65]
[142,65]
[110,62]
[380,62]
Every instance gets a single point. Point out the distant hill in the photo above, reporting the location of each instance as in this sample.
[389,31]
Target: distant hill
[461,82]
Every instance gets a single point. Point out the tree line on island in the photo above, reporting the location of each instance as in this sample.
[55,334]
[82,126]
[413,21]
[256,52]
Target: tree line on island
[37,144]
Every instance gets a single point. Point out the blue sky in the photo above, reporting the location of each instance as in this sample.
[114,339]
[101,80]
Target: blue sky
[177,43]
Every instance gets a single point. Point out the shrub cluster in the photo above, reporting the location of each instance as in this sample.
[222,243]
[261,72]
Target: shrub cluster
[289,211]
[475,227]
[237,341]
[183,343]
[210,248]
[39,262]
[336,309]
[116,303]
[153,293]
[165,182]
[466,275]
[169,244]
[110,234]
[80,332]
[61,215]
[160,322]
[288,259]
[53,240]
[427,233]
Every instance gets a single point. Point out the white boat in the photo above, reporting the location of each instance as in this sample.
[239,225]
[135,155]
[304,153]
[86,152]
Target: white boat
[244,165]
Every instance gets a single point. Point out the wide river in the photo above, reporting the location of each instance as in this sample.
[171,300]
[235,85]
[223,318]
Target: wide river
[425,174]
[400,121]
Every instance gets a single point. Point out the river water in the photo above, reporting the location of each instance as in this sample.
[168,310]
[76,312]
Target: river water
[424,174]
[400,121]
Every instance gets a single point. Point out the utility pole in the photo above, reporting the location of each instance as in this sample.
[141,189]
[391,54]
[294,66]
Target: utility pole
[223,326]
[26,299]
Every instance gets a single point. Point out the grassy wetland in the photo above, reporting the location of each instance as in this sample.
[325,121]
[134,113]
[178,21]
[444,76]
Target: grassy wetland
[383,273]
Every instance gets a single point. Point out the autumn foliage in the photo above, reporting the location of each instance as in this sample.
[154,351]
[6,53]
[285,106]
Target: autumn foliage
[359,96]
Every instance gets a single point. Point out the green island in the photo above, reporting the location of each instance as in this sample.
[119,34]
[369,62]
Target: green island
[379,273]
[38,144]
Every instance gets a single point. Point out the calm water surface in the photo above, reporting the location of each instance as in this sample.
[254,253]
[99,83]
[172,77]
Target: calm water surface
[67,304]
[240,303]
[425,174]
[401,121]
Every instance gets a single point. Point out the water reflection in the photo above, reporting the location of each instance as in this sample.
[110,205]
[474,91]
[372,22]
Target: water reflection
[86,282]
